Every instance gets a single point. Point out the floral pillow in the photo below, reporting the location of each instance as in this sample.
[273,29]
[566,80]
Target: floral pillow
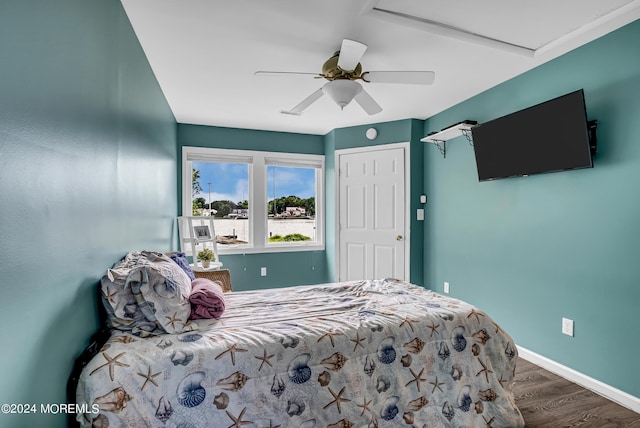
[147,293]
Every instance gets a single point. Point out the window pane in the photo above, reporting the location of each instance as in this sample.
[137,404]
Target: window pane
[291,206]
[222,190]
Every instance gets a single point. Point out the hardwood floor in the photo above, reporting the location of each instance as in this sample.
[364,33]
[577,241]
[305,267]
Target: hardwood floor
[550,401]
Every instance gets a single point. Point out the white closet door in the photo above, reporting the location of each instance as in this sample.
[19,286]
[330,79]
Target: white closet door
[372,214]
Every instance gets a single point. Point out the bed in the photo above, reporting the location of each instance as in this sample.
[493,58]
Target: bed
[375,353]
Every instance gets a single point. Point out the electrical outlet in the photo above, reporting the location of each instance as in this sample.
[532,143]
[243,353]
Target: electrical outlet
[263,271]
[446,287]
[567,326]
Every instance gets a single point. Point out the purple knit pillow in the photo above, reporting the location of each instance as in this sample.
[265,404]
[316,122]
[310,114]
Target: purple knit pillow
[181,260]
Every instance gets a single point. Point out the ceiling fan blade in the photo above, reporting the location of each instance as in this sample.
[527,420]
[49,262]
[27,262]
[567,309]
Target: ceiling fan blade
[367,103]
[405,77]
[283,73]
[350,54]
[297,110]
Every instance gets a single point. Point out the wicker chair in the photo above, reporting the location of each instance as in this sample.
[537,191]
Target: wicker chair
[223,276]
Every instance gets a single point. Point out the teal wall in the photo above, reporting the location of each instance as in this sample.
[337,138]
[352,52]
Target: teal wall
[310,267]
[87,173]
[532,250]
[284,269]
[401,131]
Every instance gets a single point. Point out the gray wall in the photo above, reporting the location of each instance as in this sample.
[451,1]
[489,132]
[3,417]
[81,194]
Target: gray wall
[87,173]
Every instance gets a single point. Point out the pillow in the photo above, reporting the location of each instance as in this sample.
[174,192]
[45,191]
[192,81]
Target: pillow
[207,299]
[145,294]
[181,260]
[119,302]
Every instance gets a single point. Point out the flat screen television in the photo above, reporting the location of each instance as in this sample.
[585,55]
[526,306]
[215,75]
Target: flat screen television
[548,137]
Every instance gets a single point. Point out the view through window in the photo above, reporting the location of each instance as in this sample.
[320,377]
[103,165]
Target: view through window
[291,205]
[261,201]
[221,190]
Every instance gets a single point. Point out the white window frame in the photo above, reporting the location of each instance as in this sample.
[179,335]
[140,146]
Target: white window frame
[258,216]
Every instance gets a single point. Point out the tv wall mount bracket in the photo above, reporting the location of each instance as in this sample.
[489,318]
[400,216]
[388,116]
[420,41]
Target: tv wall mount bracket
[440,138]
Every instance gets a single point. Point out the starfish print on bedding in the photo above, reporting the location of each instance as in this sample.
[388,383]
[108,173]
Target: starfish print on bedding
[417,378]
[357,341]
[488,422]
[110,295]
[232,351]
[271,425]
[434,328]
[498,328]
[408,321]
[111,362]
[173,320]
[265,359]
[484,370]
[364,406]
[189,327]
[121,339]
[476,314]
[148,378]
[330,334]
[237,421]
[337,399]
[436,384]
[502,380]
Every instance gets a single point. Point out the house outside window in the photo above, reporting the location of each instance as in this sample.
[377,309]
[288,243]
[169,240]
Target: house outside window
[261,201]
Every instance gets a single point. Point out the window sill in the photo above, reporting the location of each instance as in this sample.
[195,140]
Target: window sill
[271,249]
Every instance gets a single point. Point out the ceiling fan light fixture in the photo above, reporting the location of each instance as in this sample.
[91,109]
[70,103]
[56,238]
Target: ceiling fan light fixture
[342,91]
[343,70]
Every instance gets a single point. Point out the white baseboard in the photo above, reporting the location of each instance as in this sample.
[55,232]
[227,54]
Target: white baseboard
[607,391]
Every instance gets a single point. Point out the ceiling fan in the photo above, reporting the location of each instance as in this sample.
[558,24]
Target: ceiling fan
[343,70]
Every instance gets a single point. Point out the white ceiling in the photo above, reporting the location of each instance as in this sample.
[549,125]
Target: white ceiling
[204,52]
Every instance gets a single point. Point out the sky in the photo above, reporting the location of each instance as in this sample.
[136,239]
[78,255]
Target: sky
[230,181]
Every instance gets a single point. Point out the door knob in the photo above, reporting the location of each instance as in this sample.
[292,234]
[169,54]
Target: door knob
[399,238]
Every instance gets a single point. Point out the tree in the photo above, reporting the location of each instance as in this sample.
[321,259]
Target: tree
[223,208]
[309,205]
[200,202]
[197,205]
[282,203]
[196,189]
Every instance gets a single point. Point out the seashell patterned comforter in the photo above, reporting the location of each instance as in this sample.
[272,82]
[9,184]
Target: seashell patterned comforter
[379,353]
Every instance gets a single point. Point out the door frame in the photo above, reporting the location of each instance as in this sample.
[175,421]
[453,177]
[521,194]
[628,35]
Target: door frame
[407,200]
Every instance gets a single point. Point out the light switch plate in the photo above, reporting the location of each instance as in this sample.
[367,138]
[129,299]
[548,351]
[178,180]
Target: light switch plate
[420,214]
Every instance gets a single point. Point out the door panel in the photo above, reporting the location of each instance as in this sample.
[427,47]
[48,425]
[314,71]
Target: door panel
[384,261]
[384,196]
[356,200]
[355,260]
